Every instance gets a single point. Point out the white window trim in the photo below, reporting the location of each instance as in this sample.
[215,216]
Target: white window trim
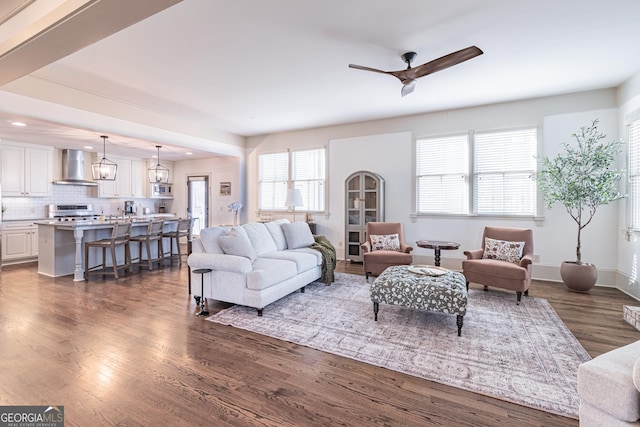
[290,181]
[538,217]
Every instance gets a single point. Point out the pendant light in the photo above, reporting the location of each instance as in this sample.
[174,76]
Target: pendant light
[104,169]
[158,173]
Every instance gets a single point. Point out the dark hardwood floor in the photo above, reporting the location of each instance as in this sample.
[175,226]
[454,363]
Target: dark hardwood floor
[131,352]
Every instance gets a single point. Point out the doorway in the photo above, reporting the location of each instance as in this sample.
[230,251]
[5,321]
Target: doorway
[198,202]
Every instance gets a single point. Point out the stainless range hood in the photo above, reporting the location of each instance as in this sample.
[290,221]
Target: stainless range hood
[73,169]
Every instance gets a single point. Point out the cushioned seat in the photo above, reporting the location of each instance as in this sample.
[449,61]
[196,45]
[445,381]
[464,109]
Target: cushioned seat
[608,388]
[504,261]
[377,257]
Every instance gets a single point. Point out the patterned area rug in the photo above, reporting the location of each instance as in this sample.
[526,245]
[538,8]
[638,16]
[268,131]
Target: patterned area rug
[522,354]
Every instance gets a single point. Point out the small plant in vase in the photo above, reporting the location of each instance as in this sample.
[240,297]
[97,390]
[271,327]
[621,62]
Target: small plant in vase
[235,208]
[582,179]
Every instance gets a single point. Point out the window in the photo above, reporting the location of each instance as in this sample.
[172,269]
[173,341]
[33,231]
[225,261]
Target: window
[502,164]
[504,172]
[634,174]
[304,170]
[443,175]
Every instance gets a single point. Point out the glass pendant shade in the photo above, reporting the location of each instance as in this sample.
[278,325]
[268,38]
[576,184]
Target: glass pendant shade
[104,169]
[158,173]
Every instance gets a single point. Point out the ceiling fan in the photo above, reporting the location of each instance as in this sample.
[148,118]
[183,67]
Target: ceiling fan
[408,77]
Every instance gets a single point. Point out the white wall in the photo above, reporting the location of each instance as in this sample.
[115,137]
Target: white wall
[385,147]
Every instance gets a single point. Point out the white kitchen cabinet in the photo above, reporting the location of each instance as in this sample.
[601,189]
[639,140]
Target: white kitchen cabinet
[26,170]
[19,241]
[129,180]
[138,178]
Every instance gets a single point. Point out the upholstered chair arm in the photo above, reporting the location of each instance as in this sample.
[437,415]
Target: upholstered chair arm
[526,260]
[405,248]
[366,247]
[474,254]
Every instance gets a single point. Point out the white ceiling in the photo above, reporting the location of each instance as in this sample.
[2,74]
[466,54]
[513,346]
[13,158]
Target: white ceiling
[210,68]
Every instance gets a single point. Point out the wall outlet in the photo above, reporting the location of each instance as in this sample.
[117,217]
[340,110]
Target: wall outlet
[536,258]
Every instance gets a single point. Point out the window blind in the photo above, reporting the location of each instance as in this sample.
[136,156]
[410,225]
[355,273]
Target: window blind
[634,174]
[308,175]
[273,176]
[504,172]
[442,169]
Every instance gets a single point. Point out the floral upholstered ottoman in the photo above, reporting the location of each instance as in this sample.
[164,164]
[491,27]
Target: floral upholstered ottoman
[412,286]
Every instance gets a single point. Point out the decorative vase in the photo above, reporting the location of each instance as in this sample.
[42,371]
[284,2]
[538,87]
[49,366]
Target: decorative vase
[578,277]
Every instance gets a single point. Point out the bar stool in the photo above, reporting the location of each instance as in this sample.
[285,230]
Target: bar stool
[153,234]
[183,230]
[119,236]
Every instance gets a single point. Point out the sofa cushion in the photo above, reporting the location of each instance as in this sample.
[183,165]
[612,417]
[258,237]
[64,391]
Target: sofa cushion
[235,243]
[502,250]
[209,239]
[268,272]
[606,382]
[276,231]
[260,237]
[298,235]
[304,261]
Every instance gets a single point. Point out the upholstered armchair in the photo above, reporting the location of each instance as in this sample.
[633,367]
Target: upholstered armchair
[384,247]
[504,261]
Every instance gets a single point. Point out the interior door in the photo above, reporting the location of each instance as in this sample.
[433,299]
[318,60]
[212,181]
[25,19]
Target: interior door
[198,202]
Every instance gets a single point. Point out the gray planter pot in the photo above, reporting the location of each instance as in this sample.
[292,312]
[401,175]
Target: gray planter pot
[578,277]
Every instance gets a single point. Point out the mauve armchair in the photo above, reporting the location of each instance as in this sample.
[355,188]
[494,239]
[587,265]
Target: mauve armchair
[377,260]
[514,276]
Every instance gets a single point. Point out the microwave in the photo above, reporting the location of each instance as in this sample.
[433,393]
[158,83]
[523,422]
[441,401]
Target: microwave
[161,191]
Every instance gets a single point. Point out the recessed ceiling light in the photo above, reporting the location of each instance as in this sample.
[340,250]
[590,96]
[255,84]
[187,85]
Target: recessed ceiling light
[88,147]
[189,153]
[18,124]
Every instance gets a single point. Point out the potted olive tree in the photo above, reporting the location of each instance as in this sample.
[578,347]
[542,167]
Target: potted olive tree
[582,179]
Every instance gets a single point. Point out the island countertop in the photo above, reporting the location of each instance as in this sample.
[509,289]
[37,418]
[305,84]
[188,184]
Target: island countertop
[60,243]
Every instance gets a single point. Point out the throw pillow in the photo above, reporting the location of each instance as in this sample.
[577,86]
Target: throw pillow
[385,242]
[502,250]
[235,243]
[275,228]
[260,238]
[298,235]
[209,238]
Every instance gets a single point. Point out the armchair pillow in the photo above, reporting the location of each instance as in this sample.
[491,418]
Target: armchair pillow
[385,242]
[237,243]
[298,235]
[502,250]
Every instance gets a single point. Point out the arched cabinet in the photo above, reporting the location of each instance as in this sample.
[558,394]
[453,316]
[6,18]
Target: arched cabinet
[364,202]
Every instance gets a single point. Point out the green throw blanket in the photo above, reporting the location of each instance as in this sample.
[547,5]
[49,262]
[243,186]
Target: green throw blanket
[324,246]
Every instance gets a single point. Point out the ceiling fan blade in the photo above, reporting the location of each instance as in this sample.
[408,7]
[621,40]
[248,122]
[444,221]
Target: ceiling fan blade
[441,63]
[408,87]
[362,67]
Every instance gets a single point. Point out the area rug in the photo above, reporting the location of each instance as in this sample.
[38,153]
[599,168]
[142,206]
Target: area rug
[519,353]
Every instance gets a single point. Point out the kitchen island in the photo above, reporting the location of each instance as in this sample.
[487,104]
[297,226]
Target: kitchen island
[61,243]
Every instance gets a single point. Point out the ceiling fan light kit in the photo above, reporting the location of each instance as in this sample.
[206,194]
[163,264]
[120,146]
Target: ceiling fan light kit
[408,76]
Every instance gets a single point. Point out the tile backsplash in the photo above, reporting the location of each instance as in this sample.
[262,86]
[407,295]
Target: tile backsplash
[25,208]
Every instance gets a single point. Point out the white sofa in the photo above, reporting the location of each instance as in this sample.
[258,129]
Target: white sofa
[254,264]
[608,388]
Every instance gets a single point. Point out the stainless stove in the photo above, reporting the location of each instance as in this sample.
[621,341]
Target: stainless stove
[72,212]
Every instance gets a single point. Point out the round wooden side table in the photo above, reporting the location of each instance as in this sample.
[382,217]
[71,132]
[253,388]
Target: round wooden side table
[437,245]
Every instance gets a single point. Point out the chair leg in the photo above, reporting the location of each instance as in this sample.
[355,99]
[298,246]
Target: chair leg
[179,252]
[127,257]
[114,261]
[149,258]
[104,258]
[486,288]
[526,293]
[467,286]
[518,297]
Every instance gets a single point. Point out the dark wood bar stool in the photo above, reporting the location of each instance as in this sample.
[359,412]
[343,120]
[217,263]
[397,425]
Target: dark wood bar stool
[153,234]
[119,237]
[183,230]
